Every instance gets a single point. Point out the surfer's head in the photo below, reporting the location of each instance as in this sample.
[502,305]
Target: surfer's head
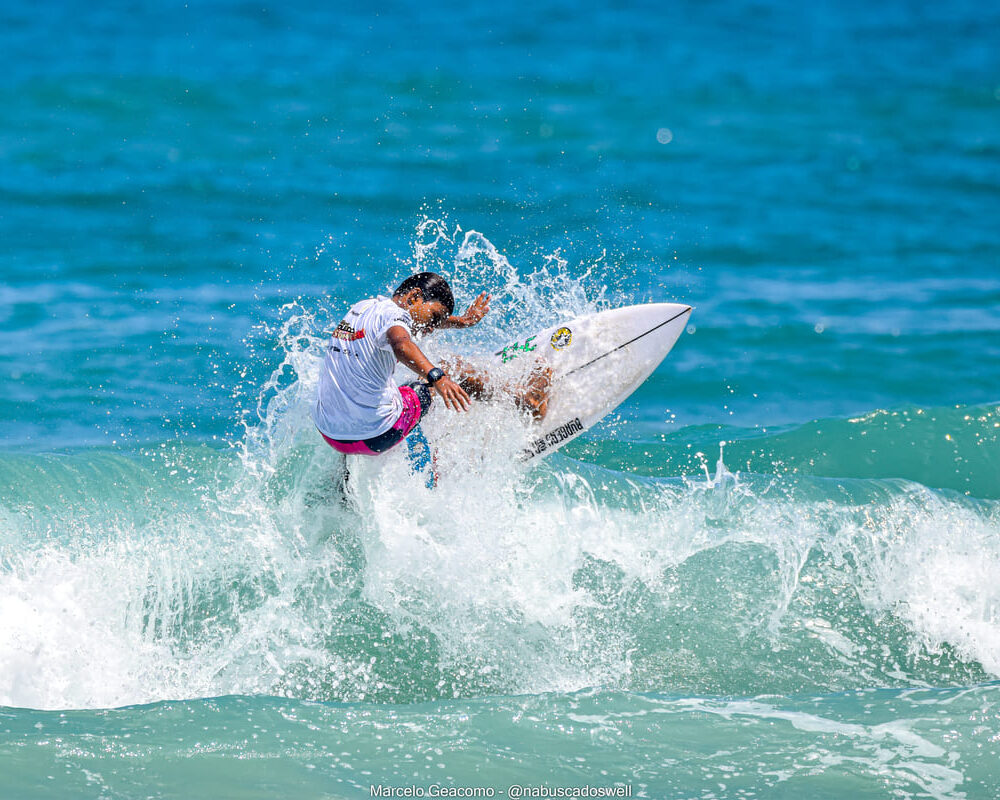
[428,299]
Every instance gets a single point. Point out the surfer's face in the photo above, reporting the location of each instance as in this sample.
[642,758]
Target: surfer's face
[426,314]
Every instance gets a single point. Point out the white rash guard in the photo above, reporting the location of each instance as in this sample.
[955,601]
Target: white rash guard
[357,397]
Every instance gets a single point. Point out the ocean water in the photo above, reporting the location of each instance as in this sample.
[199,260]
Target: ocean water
[774,573]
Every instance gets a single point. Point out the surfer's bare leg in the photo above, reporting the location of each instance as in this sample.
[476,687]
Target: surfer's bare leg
[532,395]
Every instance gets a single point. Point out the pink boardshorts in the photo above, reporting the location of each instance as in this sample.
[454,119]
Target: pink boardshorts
[416,401]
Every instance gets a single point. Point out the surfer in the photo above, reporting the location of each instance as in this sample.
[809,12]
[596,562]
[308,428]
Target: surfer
[359,409]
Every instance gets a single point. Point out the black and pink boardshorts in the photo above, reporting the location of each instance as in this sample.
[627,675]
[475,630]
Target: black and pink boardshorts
[416,401]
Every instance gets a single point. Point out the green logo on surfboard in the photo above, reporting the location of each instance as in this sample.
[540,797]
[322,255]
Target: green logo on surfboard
[512,351]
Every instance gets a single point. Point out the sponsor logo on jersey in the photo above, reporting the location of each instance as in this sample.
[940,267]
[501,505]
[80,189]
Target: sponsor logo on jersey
[347,333]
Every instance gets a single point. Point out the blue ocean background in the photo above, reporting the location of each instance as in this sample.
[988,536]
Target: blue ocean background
[774,573]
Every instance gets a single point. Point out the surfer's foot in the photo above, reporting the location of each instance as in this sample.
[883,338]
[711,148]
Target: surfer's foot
[534,396]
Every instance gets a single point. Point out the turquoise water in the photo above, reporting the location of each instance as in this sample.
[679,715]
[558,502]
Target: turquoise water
[774,573]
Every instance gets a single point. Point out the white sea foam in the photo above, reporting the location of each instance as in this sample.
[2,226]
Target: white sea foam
[935,563]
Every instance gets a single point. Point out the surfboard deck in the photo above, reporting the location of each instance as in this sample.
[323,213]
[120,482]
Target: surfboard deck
[597,361]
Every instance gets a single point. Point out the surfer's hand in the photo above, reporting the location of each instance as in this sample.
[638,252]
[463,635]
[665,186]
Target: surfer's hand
[454,396]
[479,309]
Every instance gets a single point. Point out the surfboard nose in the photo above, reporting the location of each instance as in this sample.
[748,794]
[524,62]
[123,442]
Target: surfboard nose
[667,309]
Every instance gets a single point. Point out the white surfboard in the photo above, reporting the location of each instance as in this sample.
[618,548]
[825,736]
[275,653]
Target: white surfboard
[597,362]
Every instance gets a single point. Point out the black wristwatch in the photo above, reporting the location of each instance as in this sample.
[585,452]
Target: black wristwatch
[435,375]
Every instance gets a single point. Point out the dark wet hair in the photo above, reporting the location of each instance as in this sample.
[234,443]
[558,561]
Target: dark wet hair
[432,288]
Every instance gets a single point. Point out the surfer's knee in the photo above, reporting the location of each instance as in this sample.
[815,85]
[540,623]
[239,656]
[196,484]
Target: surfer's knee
[424,395]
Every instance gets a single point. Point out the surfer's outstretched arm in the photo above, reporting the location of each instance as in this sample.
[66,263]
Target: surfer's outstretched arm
[532,395]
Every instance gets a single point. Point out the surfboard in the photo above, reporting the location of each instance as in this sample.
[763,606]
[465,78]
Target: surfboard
[597,361]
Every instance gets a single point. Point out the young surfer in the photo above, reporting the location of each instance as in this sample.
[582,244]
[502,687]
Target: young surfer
[359,409]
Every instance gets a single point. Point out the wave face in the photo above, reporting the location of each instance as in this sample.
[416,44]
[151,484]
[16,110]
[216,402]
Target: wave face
[186,572]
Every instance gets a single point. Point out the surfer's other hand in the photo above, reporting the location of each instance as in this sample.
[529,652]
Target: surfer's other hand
[454,396]
[479,309]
